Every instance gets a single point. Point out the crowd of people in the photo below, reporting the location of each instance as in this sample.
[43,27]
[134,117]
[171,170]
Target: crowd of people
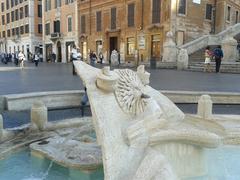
[19,58]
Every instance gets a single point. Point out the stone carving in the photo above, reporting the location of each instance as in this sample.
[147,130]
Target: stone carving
[205,107]
[143,135]
[129,92]
[106,79]
[39,115]
[182,61]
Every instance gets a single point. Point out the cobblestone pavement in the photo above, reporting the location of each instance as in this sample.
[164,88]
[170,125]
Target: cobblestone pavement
[58,76]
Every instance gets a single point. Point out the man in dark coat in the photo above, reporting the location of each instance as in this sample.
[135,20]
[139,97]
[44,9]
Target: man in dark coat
[218,54]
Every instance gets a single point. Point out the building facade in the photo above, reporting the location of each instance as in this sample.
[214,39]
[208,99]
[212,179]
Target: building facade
[137,28]
[21,26]
[60,31]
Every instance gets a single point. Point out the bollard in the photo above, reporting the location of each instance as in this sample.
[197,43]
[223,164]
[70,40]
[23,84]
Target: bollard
[39,115]
[205,107]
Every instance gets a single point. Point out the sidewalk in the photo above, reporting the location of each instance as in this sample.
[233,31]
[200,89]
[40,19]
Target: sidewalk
[58,76]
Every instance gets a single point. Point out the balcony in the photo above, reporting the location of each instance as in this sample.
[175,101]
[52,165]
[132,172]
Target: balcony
[55,36]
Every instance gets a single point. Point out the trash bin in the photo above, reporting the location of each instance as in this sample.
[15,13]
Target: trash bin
[153,63]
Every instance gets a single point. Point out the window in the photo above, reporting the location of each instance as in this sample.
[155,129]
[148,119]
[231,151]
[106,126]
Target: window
[39,10]
[3,34]
[7,4]
[228,13]
[181,6]
[209,11]
[8,17]
[68,1]
[47,29]
[3,20]
[22,30]
[57,3]
[47,5]
[2,7]
[12,16]
[8,33]
[16,2]
[156,5]
[131,8]
[83,24]
[17,31]
[40,28]
[131,46]
[69,24]
[26,28]
[21,12]
[13,32]
[16,14]
[56,26]
[26,10]
[113,18]
[99,21]
[12,3]
[237,14]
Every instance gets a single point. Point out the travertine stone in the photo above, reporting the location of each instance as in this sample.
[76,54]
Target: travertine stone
[169,49]
[229,45]
[134,122]
[143,75]
[106,79]
[2,103]
[205,107]
[182,61]
[39,115]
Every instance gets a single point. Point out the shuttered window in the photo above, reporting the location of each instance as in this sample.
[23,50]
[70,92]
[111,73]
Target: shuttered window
[83,24]
[209,11]
[181,6]
[113,18]
[99,21]
[156,5]
[131,12]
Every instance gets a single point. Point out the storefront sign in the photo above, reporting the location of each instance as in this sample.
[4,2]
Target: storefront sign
[141,42]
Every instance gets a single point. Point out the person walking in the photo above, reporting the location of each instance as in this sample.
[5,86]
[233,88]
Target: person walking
[21,58]
[218,54]
[238,48]
[74,56]
[93,58]
[208,56]
[101,57]
[15,56]
[36,59]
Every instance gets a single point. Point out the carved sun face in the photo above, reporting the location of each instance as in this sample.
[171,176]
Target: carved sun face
[129,92]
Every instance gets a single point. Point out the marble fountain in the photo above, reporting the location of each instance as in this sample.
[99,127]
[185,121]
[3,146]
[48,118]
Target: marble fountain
[140,133]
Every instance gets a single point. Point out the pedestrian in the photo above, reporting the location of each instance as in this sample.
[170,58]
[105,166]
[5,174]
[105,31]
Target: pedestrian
[119,58]
[21,58]
[93,58]
[218,55]
[101,57]
[53,58]
[36,59]
[238,48]
[74,56]
[208,56]
[15,58]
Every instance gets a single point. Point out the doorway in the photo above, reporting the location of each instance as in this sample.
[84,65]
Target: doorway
[113,44]
[156,47]
[59,52]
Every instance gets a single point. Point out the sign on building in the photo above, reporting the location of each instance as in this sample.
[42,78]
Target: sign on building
[141,42]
